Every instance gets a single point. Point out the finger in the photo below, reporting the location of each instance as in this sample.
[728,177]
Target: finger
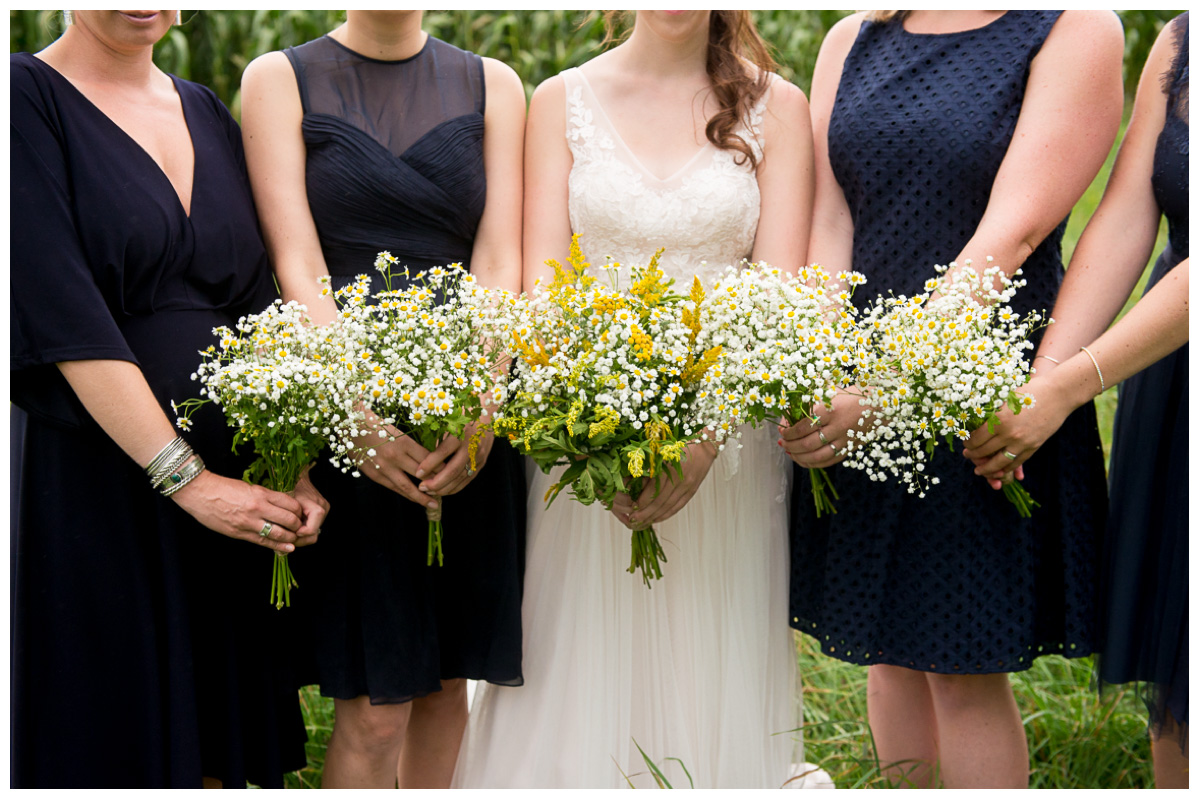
[451,478]
[1019,473]
[677,502]
[267,542]
[653,505]
[998,463]
[443,451]
[399,483]
[809,444]
[283,522]
[314,516]
[800,430]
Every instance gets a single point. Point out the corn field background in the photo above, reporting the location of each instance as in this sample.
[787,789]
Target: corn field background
[1076,740]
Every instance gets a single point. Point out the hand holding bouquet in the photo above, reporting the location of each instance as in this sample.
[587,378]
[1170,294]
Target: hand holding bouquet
[787,345]
[939,365]
[613,385]
[286,387]
[425,358]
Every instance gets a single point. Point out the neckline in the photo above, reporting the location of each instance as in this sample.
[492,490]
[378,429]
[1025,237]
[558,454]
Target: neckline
[632,155]
[357,54]
[187,211]
[907,32]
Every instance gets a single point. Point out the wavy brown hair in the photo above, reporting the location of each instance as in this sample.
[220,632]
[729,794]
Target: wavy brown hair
[733,41]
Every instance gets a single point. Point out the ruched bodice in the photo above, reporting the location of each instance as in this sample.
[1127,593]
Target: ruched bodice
[395,153]
[705,215]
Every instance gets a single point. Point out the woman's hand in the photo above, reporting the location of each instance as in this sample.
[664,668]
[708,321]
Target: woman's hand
[242,510]
[315,508]
[674,490]
[823,444]
[450,464]
[395,459]
[1018,435]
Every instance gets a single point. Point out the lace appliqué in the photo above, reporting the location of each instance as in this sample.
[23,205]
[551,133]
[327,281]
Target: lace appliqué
[705,216]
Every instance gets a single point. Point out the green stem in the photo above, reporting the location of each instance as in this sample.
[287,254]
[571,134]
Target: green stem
[821,483]
[1020,498]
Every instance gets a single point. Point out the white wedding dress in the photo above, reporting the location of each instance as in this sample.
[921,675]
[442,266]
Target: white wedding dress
[702,667]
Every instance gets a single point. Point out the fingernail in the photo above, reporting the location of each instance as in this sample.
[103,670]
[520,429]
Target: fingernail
[420,473]
[432,504]
[287,548]
[423,487]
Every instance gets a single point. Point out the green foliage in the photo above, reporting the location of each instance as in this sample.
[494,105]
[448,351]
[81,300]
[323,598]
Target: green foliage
[213,47]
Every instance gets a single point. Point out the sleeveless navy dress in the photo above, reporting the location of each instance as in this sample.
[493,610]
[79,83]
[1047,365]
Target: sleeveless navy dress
[395,162]
[144,651]
[1145,565]
[956,582]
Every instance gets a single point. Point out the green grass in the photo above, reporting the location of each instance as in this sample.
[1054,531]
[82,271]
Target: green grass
[1076,741]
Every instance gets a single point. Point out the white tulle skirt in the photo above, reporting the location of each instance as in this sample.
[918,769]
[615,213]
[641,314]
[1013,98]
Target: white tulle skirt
[700,668]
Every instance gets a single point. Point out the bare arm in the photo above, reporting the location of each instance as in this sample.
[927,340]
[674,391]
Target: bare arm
[785,180]
[1119,238]
[117,396]
[1156,326]
[496,256]
[547,229]
[275,159]
[831,243]
[1068,121]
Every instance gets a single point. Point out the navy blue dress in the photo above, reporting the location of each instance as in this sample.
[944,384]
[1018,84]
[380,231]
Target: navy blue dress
[1145,565]
[395,162]
[144,652]
[956,582]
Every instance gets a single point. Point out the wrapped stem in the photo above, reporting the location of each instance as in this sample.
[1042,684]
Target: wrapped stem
[434,515]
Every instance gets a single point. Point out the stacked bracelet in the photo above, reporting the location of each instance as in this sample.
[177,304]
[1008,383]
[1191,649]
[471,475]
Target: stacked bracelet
[1099,374]
[166,465]
[166,456]
[182,477]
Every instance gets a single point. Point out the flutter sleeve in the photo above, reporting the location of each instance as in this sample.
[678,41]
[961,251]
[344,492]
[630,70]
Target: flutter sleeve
[57,311]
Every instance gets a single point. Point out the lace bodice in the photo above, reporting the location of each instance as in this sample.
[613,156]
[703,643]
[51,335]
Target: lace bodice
[705,215]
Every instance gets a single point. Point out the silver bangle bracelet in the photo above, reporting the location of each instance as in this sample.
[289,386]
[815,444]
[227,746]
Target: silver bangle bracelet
[1048,358]
[1096,364]
[171,467]
[185,475]
[166,455]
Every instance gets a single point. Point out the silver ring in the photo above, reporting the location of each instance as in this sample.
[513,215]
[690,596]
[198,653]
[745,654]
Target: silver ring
[266,530]
[470,472]
[1009,456]
[821,436]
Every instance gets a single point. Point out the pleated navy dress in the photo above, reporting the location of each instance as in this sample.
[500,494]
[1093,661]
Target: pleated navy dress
[144,651]
[956,582]
[1145,565]
[395,162]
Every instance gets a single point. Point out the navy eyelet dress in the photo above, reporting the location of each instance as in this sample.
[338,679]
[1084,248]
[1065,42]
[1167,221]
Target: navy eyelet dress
[957,582]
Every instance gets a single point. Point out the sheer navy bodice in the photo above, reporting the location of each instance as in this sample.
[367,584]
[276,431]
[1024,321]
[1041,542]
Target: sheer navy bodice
[395,153]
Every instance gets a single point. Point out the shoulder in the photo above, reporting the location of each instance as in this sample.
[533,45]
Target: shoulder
[204,95]
[28,82]
[1078,31]
[502,81]
[550,93]
[269,71]
[785,99]
[841,37]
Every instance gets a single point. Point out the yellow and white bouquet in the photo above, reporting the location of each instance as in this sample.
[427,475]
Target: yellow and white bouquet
[425,358]
[613,385]
[788,344]
[939,365]
[287,388]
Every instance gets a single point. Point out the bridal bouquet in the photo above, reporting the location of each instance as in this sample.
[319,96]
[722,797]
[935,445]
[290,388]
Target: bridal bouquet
[425,358]
[939,365]
[613,385]
[287,389]
[787,345]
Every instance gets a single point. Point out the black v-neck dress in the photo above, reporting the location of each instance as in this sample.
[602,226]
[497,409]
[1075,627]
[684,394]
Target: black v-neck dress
[395,162]
[144,651]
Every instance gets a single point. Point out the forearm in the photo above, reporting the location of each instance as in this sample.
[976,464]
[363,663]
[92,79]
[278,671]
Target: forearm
[117,396]
[1155,327]
[300,280]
